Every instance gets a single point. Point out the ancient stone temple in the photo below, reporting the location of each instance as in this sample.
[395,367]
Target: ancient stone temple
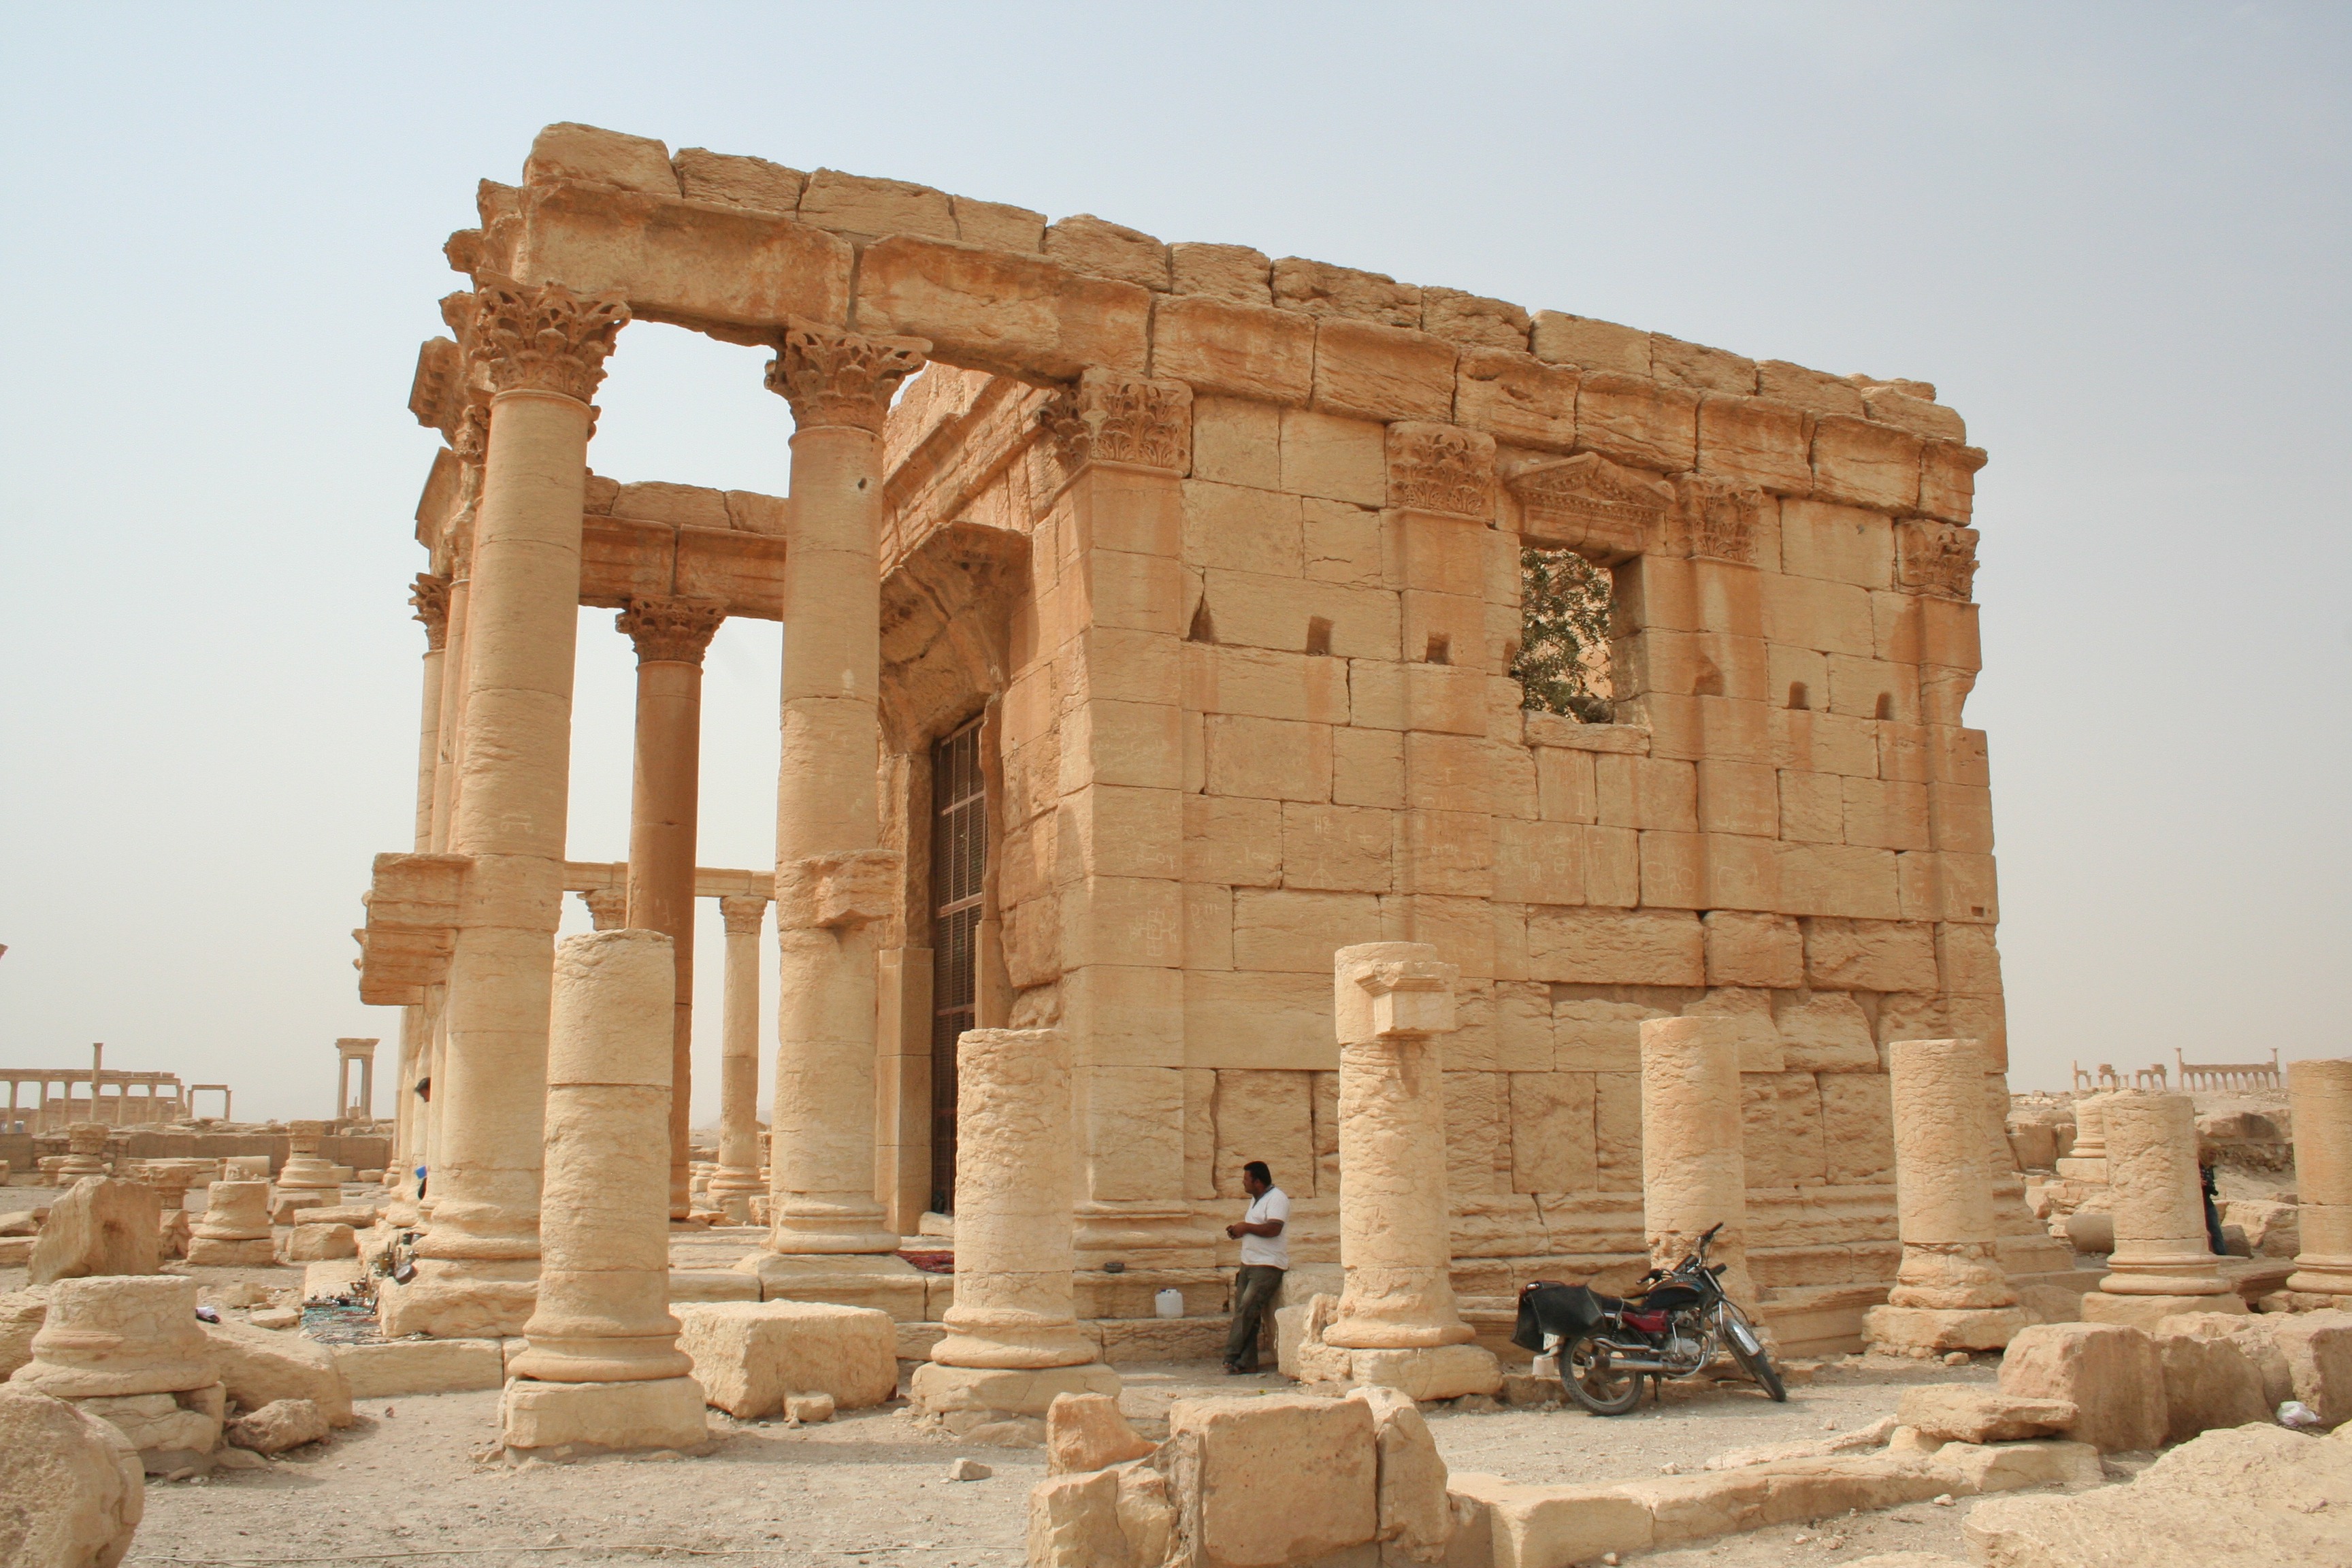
[1162,619]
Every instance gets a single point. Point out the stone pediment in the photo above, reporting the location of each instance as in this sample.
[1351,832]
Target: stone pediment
[1602,511]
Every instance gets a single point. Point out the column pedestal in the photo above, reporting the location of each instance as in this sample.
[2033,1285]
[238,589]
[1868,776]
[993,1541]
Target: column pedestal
[1013,1341]
[737,1181]
[603,1369]
[1398,1324]
[1950,1292]
[2162,1263]
[2321,1092]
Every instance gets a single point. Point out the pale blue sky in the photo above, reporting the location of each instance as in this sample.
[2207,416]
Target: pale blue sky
[2115,235]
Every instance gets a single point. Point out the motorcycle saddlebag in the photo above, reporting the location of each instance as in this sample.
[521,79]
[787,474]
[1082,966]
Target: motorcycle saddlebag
[1547,1306]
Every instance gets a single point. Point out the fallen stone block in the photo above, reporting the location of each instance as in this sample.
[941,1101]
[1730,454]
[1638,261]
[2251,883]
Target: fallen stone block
[102,1226]
[1276,1479]
[1541,1527]
[809,1409]
[72,1490]
[1976,1468]
[22,1222]
[1958,1413]
[285,1206]
[2254,1497]
[2208,1383]
[309,1243]
[1073,1523]
[2255,1335]
[419,1366]
[16,1251]
[1414,1516]
[2319,1350]
[280,1425]
[1086,1432]
[261,1366]
[2109,1373]
[750,1356]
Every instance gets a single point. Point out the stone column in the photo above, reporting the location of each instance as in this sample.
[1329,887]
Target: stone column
[834,879]
[602,1367]
[2087,1160]
[737,1177]
[1013,1342]
[430,595]
[2162,1263]
[671,635]
[304,1171]
[1950,1292]
[128,1350]
[85,1149]
[1397,1319]
[543,350]
[233,1230]
[2321,1095]
[1694,1169]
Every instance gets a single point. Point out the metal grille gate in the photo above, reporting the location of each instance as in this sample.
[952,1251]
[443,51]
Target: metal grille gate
[958,863]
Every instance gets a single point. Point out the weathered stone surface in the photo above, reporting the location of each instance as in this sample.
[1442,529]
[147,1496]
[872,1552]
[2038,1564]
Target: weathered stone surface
[72,1490]
[21,1315]
[1086,1432]
[2111,1375]
[321,1243]
[260,1367]
[1414,1511]
[2208,1383]
[1273,1480]
[2255,1336]
[589,152]
[114,1336]
[1073,1523]
[2254,1497]
[747,1357]
[1959,1413]
[280,1425]
[2319,1350]
[102,1227]
[655,1413]
[420,1366]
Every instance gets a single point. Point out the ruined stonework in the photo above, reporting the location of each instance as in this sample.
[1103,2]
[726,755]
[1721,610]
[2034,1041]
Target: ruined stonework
[1222,555]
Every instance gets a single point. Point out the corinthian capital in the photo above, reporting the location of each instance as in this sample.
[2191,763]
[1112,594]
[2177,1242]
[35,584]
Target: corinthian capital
[543,338]
[743,915]
[1110,419]
[677,630]
[430,594]
[833,377]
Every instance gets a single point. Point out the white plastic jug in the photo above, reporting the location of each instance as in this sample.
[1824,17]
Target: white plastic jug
[1169,1303]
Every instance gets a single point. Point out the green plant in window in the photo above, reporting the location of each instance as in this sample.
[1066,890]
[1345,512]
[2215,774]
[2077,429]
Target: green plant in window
[1563,634]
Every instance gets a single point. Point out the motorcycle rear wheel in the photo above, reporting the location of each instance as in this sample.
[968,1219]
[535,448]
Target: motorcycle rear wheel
[1758,1363]
[1592,1379]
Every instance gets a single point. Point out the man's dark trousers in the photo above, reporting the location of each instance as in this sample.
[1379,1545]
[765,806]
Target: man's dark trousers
[1255,1289]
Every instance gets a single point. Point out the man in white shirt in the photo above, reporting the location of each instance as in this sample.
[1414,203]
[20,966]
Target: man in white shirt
[1266,1253]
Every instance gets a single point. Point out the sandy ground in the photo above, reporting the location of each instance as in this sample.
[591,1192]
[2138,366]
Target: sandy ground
[413,1484]
[407,1485]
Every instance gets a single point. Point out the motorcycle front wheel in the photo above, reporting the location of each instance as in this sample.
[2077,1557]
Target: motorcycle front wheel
[1748,1349]
[1594,1379]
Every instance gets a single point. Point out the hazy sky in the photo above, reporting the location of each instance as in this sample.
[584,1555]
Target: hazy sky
[2115,235]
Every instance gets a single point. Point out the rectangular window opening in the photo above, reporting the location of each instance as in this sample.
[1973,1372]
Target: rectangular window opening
[1562,662]
[959,864]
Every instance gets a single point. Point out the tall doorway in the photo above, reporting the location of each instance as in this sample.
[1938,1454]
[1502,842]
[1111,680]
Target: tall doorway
[959,866]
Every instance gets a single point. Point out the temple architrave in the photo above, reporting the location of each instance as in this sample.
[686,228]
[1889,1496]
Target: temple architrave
[1162,619]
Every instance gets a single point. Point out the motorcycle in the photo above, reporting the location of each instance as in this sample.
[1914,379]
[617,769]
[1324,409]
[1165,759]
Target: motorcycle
[1606,1346]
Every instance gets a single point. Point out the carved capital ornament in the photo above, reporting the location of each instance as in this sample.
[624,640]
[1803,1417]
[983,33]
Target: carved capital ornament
[1717,521]
[676,630]
[1109,418]
[835,378]
[744,914]
[430,594]
[1936,559]
[1442,468]
[543,338]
